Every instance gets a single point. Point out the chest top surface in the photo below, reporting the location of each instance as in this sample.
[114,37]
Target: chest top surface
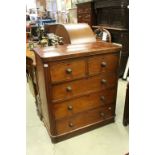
[77,50]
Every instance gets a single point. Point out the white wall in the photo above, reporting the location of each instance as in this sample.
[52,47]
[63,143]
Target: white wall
[30,4]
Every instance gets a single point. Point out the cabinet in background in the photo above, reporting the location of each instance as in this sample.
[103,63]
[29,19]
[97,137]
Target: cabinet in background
[85,13]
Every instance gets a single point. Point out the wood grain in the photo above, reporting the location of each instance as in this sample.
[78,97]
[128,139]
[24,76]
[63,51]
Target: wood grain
[80,104]
[84,97]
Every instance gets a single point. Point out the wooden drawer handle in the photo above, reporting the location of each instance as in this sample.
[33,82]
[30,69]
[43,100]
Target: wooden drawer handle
[103,81]
[70,107]
[102,114]
[102,98]
[71,125]
[109,108]
[103,64]
[68,70]
[69,89]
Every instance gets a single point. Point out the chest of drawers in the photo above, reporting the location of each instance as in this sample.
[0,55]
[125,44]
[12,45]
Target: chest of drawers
[77,87]
[85,13]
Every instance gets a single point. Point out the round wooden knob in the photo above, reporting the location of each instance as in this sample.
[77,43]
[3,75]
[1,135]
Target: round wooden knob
[71,125]
[102,98]
[103,64]
[68,70]
[103,81]
[69,88]
[109,108]
[70,107]
[102,114]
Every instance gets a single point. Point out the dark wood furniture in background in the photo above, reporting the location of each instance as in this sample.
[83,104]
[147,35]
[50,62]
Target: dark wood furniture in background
[113,15]
[126,108]
[85,13]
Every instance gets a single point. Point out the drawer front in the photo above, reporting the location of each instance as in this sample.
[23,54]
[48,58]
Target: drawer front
[84,10]
[84,119]
[81,87]
[84,103]
[84,18]
[67,70]
[103,63]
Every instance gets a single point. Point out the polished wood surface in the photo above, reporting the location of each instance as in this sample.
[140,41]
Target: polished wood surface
[103,63]
[81,130]
[67,70]
[70,32]
[88,118]
[77,87]
[74,51]
[41,79]
[86,34]
[87,102]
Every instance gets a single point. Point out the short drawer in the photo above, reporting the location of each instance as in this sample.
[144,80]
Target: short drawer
[84,103]
[103,63]
[67,70]
[84,119]
[83,10]
[80,87]
[84,17]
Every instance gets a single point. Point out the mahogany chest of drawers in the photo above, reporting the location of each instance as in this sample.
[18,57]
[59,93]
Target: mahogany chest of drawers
[77,87]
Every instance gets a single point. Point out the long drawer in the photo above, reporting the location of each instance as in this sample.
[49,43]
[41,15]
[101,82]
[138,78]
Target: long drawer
[71,89]
[84,103]
[84,119]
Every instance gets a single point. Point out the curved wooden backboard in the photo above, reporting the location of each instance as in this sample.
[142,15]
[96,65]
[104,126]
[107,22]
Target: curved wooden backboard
[74,33]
